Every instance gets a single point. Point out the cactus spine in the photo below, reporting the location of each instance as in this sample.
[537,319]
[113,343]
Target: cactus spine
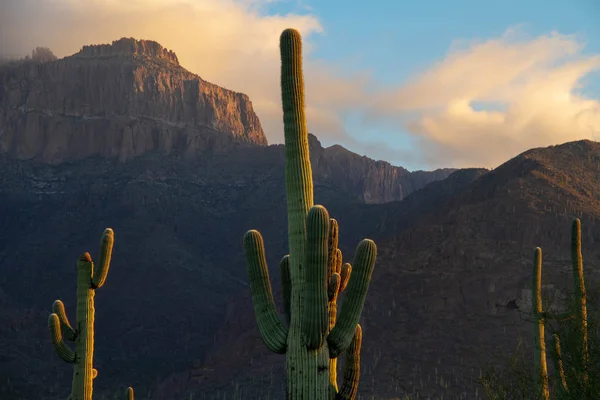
[580,320]
[312,274]
[88,280]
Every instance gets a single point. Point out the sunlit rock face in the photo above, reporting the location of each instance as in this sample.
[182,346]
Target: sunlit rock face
[118,100]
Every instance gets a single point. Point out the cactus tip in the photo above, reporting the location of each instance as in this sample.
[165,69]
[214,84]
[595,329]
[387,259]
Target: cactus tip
[251,232]
[290,32]
[53,319]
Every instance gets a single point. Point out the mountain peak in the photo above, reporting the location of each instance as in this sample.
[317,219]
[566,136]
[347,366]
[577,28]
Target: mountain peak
[129,46]
[119,100]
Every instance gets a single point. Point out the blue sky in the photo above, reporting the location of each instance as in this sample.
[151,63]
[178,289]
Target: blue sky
[396,39]
[421,84]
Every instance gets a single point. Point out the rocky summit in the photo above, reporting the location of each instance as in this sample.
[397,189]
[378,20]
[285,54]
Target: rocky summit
[118,100]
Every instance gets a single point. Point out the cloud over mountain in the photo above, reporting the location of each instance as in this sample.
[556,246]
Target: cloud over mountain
[478,105]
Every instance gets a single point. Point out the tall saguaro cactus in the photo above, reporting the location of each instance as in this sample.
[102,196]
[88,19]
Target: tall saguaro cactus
[88,280]
[312,274]
[580,295]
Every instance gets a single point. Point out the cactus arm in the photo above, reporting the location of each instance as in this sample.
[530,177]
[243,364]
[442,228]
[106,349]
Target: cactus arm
[580,293]
[286,284]
[345,276]
[558,366]
[341,336]
[337,267]
[272,330]
[316,316]
[349,387]
[65,326]
[332,257]
[332,292]
[101,271]
[57,340]
[539,345]
[129,394]
[334,289]
[334,267]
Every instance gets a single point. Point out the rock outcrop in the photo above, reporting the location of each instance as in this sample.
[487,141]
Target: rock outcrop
[119,100]
[375,182]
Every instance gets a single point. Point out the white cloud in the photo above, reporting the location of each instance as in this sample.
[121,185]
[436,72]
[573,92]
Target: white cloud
[533,83]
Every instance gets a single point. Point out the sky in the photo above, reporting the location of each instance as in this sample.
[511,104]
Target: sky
[421,84]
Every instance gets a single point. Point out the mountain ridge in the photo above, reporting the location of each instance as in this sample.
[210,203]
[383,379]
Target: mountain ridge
[446,267]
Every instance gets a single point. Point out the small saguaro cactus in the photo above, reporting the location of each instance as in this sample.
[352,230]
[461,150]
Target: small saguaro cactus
[89,278]
[580,316]
[313,273]
[539,343]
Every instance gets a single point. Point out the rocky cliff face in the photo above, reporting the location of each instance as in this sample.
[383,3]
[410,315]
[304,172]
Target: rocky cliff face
[119,100]
[374,181]
[132,97]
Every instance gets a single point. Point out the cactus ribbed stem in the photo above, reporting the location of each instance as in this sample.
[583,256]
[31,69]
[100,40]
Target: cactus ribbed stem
[84,346]
[286,285]
[316,314]
[298,171]
[580,294]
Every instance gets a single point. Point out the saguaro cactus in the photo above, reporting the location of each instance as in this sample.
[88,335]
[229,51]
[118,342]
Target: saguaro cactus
[88,280]
[580,316]
[539,343]
[312,274]
[580,295]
